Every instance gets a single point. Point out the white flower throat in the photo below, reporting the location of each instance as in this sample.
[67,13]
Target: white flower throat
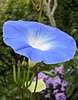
[40,43]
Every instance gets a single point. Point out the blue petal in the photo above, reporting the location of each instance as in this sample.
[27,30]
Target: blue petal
[31,53]
[62,47]
[58,55]
[14,29]
[16,44]
[20,47]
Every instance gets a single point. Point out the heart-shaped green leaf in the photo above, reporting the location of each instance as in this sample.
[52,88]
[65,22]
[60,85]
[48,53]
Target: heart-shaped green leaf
[40,86]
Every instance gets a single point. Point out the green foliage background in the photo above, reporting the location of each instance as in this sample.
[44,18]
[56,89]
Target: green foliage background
[66,17]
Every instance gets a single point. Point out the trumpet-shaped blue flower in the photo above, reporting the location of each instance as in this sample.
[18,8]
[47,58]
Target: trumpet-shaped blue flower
[39,42]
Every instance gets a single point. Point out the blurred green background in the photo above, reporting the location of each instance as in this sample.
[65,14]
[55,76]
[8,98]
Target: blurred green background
[66,17]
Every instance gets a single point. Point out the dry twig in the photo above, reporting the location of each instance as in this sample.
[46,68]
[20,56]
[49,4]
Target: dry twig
[50,12]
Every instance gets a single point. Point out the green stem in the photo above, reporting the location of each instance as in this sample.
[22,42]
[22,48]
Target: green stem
[27,78]
[24,77]
[32,97]
[38,9]
[31,80]
[40,12]
[14,73]
[18,73]
[22,90]
[36,78]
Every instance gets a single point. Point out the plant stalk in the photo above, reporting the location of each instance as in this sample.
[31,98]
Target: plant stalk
[40,11]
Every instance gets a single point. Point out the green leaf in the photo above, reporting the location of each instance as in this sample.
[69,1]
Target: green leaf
[69,91]
[40,86]
[3,98]
[49,73]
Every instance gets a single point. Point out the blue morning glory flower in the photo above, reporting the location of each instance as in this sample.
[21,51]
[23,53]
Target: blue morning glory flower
[39,42]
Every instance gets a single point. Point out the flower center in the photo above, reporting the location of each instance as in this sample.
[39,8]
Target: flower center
[40,43]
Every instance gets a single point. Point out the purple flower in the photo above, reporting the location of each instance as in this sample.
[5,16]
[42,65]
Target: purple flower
[49,81]
[42,92]
[56,82]
[60,96]
[63,89]
[47,95]
[63,85]
[59,85]
[41,75]
[59,70]
[39,42]
[55,91]
[48,91]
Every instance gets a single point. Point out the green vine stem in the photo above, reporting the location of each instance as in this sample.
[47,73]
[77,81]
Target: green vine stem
[24,77]
[40,12]
[31,80]
[32,97]
[22,90]
[27,77]
[22,94]
[14,74]
[36,78]
[18,71]
[38,9]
